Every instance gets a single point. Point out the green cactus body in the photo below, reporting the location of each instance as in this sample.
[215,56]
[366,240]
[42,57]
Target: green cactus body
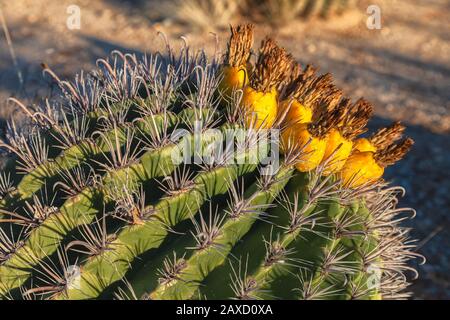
[266,275]
[135,240]
[206,259]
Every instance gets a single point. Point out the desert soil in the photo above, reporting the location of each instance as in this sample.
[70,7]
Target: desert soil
[403,68]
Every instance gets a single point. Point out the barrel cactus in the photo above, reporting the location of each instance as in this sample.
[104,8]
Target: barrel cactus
[188,176]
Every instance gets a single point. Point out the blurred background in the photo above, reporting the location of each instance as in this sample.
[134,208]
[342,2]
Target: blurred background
[402,66]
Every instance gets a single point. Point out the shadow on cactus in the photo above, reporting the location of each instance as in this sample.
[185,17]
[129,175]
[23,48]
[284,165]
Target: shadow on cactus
[184,176]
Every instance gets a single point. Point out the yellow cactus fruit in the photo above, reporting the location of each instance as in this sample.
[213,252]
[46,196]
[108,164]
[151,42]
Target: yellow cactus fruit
[234,70]
[309,140]
[232,78]
[260,97]
[353,121]
[298,113]
[366,167]
[363,145]
[312,148]
[361,168]
[381,139]
[263,107]
[337,151]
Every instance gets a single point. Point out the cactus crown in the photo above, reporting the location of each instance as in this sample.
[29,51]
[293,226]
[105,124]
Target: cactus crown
[271,66]
[239,45]
[323,119]
[312,90]
[384,137]
[393,152]
[355,118]
[296,76]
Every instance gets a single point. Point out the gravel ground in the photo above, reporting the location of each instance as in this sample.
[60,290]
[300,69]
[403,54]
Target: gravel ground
[404,69]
